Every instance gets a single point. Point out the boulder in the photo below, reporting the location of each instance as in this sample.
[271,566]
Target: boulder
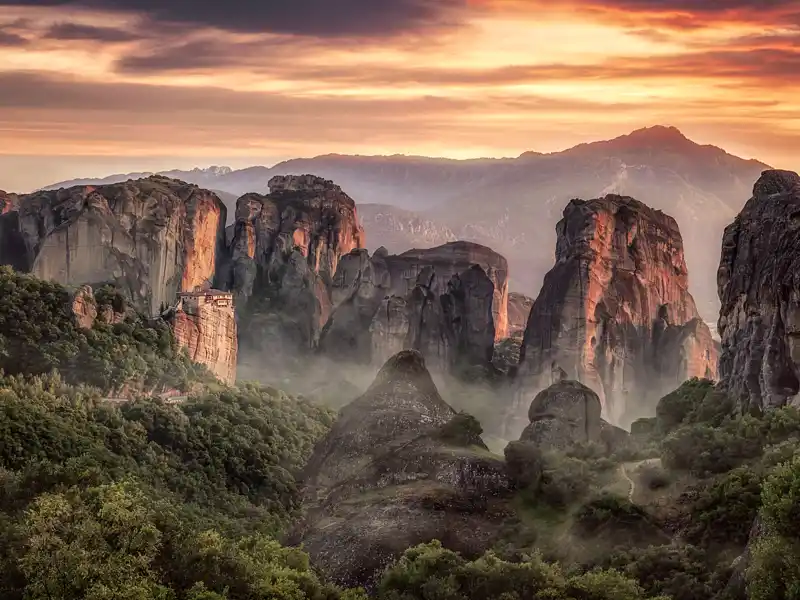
[564,414]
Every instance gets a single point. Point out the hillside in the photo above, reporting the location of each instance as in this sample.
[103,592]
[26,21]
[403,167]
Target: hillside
[143,499]
[512,205]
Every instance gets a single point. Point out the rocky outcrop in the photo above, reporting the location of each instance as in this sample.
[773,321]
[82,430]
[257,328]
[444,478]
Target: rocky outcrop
[450,303]
[758,282]
[284,250]
[564,414]
[615,312]
[151,238]
[204,323]
[397,469]
[84,307]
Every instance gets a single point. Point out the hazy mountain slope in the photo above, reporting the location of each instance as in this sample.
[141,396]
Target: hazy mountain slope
[701,186]
[399,230]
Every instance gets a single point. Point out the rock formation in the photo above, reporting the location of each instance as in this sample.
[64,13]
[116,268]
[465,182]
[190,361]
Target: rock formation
[151,238]
[204,323]
[397,469]
[86,310]
[449,302]
[84,307]
[615,312]
[758,282]
[565,413]
[284,250]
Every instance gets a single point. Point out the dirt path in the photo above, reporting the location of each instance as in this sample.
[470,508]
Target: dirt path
[625,468]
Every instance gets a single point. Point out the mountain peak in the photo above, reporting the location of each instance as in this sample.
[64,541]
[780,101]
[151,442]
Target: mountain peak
[657,134]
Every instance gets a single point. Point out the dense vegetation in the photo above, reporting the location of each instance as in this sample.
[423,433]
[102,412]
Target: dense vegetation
[38,334]
[147,500]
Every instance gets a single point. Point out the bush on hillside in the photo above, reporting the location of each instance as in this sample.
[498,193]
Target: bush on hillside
[774,570]
[429,571]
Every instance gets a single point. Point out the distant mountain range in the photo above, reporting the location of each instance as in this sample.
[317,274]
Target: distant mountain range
[513,204]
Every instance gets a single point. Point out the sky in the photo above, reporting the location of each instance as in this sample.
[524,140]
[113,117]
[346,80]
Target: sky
[94,87]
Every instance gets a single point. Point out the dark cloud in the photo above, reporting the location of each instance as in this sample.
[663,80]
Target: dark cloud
[319,18]
[9,37]
[78,31]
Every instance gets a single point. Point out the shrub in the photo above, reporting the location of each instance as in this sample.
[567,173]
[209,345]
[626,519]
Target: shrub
[525,464]
[564,480]
[463,430]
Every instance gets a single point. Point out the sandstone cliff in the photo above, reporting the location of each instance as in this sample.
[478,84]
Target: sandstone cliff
[397,469]
[758,281]
[151,238]
[615,312]
[283,251]
[204,323]
[449,302]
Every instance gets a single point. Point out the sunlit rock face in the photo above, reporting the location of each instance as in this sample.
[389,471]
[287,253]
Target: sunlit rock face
[151,238]
[615,312]
[394,472]
[759,287]
[204,323]
[284,249]
[449,302]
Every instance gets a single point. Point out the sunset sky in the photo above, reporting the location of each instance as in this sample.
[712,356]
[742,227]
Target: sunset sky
[104,86]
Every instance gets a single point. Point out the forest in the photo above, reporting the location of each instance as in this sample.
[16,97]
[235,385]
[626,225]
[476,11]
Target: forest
[151,500]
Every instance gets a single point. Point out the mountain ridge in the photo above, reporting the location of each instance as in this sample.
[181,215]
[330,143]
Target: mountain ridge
[513,204]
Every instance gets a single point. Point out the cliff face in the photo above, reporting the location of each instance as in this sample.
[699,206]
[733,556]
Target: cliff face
[284,250]
[758,282]
[393,473]
[450,303]
[204,323]
[152,238]
[615,312]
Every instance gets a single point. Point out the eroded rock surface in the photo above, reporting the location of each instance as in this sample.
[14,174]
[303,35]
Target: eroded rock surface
[204,323]
[284,250]
[151,238]
[759,287]
[393,472]
[615,312]
[450,303]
